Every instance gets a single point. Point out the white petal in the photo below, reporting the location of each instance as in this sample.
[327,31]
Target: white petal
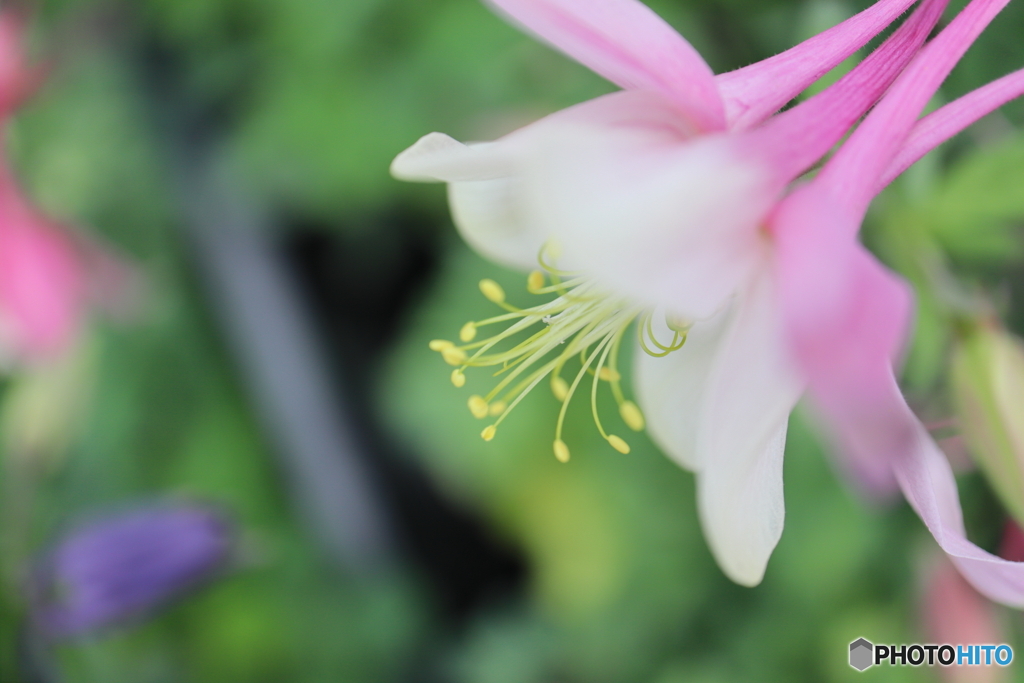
[668,220]
[438,158]
[500,191]
[491,217]
[742,508]
[752,388]
[483,194]
[669,389]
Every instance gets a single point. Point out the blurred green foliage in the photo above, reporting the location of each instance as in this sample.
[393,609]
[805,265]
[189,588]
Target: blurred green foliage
[166,419]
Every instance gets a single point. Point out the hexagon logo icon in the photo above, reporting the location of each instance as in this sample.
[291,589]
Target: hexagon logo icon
[861,654]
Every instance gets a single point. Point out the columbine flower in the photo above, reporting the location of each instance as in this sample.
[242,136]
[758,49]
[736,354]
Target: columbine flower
[846,315]
[647,206]
[119,567]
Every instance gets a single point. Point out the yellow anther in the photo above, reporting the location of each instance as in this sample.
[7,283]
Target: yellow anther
[632,416]
[535,281]
[561,451]
[478,406]
[468,332]
[680,324]
[492,290]
[553,249]
[541,343]
[560,388]
[453,355]
[618,444]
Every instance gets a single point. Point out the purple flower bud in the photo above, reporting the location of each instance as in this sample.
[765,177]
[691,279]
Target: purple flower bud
[120,566]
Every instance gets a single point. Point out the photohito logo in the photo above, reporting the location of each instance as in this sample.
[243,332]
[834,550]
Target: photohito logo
[864,654]
[861,654]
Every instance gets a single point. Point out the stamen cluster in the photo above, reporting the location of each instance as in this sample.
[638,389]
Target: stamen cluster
[583,320]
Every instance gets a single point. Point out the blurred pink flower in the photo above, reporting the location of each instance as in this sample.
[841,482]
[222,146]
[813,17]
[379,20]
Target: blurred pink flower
[41,279]
[46,273]
[18,79]
[954,612]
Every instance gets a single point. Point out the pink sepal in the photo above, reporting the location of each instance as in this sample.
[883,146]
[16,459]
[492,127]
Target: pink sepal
[796,139]
[927,481]
[947,121]
[755,92]
[852,176]
[846,319]
[631,46]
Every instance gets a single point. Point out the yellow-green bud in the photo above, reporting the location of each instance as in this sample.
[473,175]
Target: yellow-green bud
[988,394]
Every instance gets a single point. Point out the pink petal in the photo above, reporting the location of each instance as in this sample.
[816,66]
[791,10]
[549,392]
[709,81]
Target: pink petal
[799,137]
[927,481]
[755,92]
[853,174]
[846,319]
[628,44]
[947,121]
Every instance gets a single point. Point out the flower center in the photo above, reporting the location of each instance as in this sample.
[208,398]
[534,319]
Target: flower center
[581,321]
